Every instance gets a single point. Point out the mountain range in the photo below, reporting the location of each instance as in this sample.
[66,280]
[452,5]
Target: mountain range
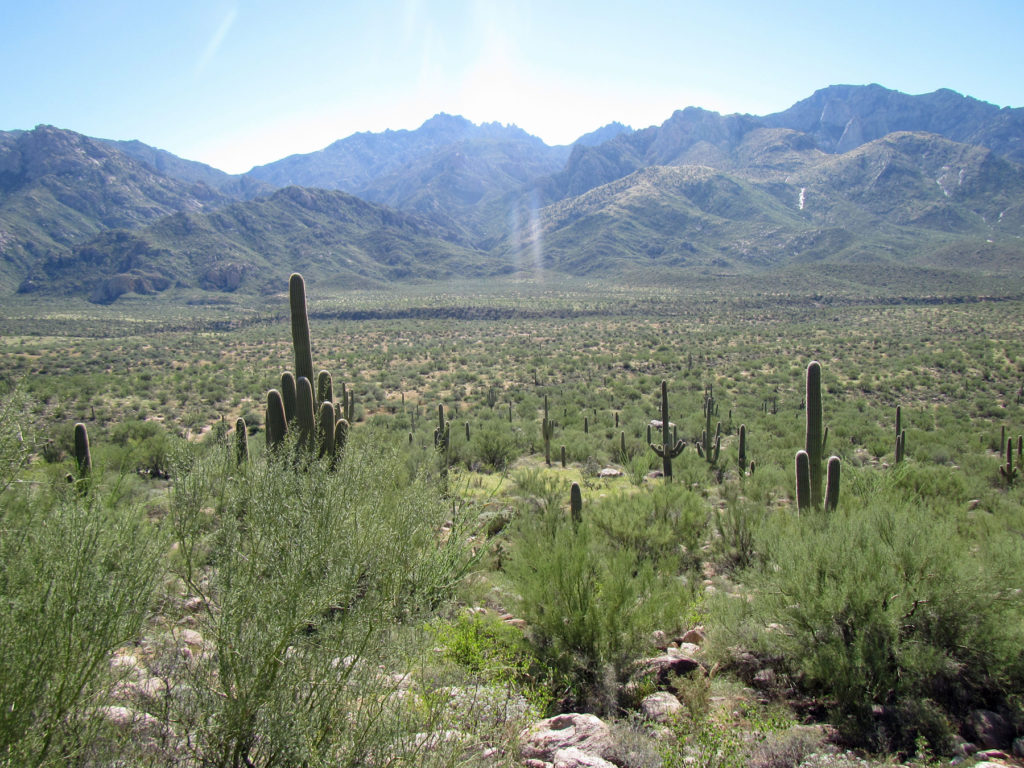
[856,178]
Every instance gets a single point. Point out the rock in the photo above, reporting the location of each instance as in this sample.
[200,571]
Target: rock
[610,472]
[588,733]
[1018,747]
[670,665]
[684,649]
[973,504]
[661,707]
[988,729]
[191,637]
[128,719]
[574,757]
[659,640]
[531,763]
[765,679]
[654,474]
[695,636]
[992,754]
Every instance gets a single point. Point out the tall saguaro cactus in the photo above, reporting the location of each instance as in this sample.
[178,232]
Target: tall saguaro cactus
[300,327]
[803,481]
[288,394]
[241,442]
[667,450]
[709,447]
[547,431]
[1008,471]
[743,449]
[277,423]
[304,415]
[832,484]
[814,437]
[576,503]
[83,456]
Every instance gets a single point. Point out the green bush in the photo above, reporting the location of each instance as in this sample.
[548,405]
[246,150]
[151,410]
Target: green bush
[77,576]
[313,571]
[590,605]
[885,604]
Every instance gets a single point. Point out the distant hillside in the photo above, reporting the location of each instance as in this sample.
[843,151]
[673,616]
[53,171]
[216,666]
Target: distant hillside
[843,117]
[237,186]
[861,181]
[909,198]
[339,239]
[58,188]
[836,119]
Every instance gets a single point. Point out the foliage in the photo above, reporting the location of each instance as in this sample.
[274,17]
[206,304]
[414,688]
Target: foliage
[77,575]
[329,562]
[589,604]
[887,603]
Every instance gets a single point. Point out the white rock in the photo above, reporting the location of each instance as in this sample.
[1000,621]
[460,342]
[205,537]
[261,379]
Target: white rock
[586,732]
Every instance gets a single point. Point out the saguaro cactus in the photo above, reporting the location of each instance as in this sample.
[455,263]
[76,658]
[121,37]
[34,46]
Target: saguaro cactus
[547,431]
[340,437]
[324,387]
[277,424]
[300,327]
[83,456]
[576,503]
[803,481]
[288,395]
[327,428]
[1008,471]
[832,484]
[743,449]
[709,447]
[241,441]
[304,414]
[442,437]
[667,450]
[814,437]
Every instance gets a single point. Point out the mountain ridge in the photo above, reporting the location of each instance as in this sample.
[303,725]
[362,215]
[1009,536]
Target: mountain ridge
[719,194]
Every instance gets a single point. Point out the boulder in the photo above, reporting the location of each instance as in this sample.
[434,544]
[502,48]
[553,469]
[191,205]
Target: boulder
[587,733]
[667,666]
[574,757]
[661,707]
[988,729]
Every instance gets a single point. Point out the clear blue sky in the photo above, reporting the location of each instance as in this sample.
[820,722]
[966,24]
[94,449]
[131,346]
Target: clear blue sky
[236,83]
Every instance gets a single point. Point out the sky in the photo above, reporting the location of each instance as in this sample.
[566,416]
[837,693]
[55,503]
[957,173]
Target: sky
[239,83]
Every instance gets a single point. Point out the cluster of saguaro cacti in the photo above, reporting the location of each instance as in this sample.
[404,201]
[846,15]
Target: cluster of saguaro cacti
[321,424]
[809,461]
[709,447]
[547,431]
[667,450]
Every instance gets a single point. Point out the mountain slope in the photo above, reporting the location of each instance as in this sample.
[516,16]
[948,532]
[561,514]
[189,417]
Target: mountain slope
[58,188]
[843,117]
[339,239]
[237,186]
[833,120]
[909,198]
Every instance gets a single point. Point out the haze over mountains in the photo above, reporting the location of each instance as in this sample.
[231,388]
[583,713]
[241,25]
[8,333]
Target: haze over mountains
[860,179]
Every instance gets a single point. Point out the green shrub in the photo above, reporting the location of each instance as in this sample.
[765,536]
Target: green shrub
[314,572]
[886,604]
[590,605]
[77,576]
